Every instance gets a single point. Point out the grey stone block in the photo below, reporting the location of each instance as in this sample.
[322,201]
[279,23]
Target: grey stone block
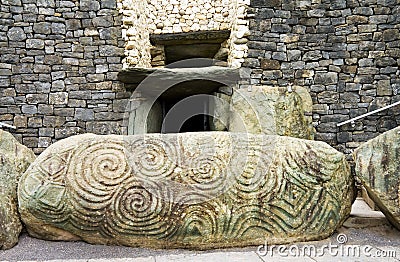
[84,114]
[42,28]
[53,121]
[67,112]
[111,4]
[328,97]
[34,122]
[45,109]
[36,98]
[384,88]
[316,13]
[326,78]
[109,50]
[312,56]
[73,24]
[386,61]
[45,131]
[95,77]
[350,97]
[59,98]
[16,34]
[64,132]
[103,21]
[280,28]
[76,103]
[89,5]
[29,109]
[58,85]
[390,35]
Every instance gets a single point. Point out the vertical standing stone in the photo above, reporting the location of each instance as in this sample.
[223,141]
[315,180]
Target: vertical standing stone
[272,111]
[378,168]
[14,160]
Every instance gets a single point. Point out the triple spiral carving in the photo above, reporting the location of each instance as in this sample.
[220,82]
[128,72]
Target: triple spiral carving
[176,189]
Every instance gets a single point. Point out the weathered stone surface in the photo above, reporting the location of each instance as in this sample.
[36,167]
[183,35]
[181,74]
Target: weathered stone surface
[16,34]
[212,36]
[272,111]
[378,168]
[270,64]
[219,106]
[149,113]
[173,83]
[345,55]
[191,190]
[14,160]
[137,75]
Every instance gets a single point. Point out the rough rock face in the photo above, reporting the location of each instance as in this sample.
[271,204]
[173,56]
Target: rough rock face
[14,160]
[190,190]
[378,168]
[272,111]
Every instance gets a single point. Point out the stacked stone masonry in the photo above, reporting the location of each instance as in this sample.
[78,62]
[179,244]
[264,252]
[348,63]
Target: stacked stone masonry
[145,17]
[59,60]
[347,53]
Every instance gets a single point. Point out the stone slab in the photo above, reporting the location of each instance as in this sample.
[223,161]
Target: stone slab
[209,37]
[163,76]
[272,111]
[191,190]
[14,160]
[378,168]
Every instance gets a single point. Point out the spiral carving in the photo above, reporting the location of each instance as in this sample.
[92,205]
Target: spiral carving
[137,211]
[201,222]
[186,190]
[95,170]
[153,157]
[100,167]
[206,173]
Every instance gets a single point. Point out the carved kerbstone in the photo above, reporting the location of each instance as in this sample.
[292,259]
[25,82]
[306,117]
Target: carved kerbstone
[378,168]
[14,160]
[192,190]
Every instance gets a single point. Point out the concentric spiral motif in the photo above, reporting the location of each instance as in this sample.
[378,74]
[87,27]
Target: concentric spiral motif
[95,170]
[198,190]
[206,173]
[206,166]
[152,157]
[136,211]
[200,222]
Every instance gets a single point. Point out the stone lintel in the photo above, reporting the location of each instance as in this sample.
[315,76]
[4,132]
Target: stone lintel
[205,37]
[190,80]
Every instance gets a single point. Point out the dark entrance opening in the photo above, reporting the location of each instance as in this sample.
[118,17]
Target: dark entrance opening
[189,114]
[201,44]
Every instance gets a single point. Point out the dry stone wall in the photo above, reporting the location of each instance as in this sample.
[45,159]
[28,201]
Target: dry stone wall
[188,16]
[345,52]
[59,62]
[142,18]
[135,32]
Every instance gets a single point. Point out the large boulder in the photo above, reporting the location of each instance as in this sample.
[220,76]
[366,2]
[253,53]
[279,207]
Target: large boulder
[189,190]
[14,160]
[272,111]
[378,168]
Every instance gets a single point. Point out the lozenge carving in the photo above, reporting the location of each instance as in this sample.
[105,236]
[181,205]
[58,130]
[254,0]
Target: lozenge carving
[191,190]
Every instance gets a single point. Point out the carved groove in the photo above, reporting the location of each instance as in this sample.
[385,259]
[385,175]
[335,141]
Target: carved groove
[206,190]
